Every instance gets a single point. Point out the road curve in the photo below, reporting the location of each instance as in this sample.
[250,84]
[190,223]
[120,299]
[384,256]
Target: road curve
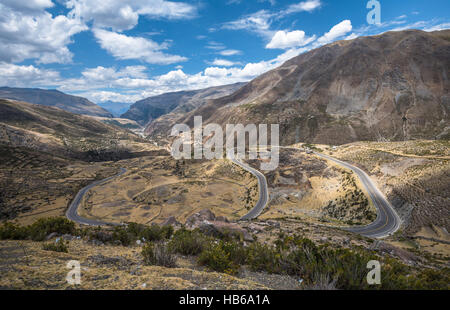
[387,221]
[72,211]
[263,191]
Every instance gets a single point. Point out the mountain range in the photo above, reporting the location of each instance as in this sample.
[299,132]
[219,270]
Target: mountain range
[394,86]
[54,98]
[176,103]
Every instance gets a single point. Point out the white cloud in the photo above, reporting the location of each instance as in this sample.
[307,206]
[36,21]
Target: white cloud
[258,22]
[337,31]
[122,15]
[103,74]
[130,84]
[215,46]
[103,96]
[224,63]
[26,76]
[351,36]
[284,40]
[28,5]
[230,52]
[36,36]
[439,27]
[125,47]
[307,6]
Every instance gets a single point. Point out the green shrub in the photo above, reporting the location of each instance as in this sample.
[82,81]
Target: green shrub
[11,231]
[136,231]
[59,246]
[236,251]
[121,234]
[217,258]
[187,242]
[263,258]
[38,230]
[158,254]
[156,233]
[45,226]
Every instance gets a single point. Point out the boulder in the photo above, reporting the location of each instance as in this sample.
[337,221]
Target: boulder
[68,237]
[254,228]
[171,221]
[198,218]
[233,228]
[274,223]
[210,230]
[222,219]
[51,236]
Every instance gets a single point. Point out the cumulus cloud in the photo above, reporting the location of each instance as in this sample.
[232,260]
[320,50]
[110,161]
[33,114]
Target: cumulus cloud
[113,96]
[284,40]
[337,31]
[103,74]
[36,36]
[20,76]
[126,47]
[131,83]
[28,5]
[122,15]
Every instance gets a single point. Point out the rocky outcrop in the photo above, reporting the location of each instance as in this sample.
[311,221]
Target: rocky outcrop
[209,224]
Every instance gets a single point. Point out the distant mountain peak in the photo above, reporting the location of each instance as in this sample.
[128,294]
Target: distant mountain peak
[54,98]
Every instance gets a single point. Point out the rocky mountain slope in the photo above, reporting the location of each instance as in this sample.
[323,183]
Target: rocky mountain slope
[55,131]
[149,109]
[54,98]
[393,86]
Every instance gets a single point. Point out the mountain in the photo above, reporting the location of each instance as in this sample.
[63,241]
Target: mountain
[116,108]
[58,132]
[394,86]
[54,98]
[147,110]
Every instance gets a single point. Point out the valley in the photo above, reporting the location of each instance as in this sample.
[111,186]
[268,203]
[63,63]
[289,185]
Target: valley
[363,174]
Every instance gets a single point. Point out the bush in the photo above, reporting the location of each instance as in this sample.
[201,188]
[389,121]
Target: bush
[187,242]
[156,233]
[236,251]
[217,258]
[10,231]
[133,231]
[43,227]
[263,258]
[121,234]
[38,230]
[58,246]
[158,254]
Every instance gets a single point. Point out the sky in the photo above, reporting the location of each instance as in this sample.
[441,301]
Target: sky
[126,50]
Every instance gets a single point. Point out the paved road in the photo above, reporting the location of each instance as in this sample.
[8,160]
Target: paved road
[263,191]
[388,221]
[72,212]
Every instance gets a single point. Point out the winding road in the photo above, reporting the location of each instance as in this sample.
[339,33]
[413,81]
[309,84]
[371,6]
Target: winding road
[263,191]
[72,211]
[386,223]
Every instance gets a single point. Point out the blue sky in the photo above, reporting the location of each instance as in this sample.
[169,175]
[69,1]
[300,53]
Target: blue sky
[123,51]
